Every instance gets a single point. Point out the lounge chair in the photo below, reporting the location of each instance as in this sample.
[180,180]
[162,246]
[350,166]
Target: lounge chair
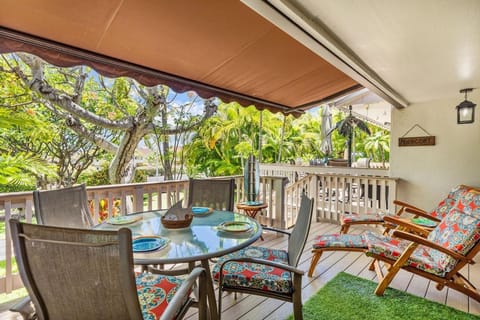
[439,257]
[462,198]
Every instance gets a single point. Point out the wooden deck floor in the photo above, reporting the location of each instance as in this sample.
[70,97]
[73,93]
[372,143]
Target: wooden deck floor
[255,307]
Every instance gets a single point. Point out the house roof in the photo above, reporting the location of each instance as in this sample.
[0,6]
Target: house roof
[216,48]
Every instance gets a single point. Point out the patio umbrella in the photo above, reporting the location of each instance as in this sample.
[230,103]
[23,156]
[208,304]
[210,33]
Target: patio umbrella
[251,178]
[326,145]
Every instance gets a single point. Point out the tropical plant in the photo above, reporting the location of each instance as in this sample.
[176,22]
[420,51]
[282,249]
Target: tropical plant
[377,146]
[19,169]
[346,128]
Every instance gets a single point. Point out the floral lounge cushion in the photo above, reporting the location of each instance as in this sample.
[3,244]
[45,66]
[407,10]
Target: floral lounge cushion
[449,202]
[393,248]
[469,202]
[340,241]
[155,293]
[254,275]
[458,232]
[355,217]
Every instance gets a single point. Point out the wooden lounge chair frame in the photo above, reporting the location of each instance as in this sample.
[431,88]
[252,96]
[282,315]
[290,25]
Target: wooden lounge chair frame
[402,208]
[452,279]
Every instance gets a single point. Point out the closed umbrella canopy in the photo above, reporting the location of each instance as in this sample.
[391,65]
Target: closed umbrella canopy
[326,145]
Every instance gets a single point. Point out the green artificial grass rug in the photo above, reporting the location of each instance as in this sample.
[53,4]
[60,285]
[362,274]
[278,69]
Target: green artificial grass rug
[349,297]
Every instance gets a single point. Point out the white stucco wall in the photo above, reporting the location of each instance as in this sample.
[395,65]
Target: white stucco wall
[427,173]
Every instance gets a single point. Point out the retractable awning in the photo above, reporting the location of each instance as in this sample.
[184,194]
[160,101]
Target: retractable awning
[214,47]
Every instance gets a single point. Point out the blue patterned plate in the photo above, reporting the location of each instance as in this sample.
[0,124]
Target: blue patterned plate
[146,244]
[201,211]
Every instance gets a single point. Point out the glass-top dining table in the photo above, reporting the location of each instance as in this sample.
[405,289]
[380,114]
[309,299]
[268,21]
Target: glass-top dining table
[205,238]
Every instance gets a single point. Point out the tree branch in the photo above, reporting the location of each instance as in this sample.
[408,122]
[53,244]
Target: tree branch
[75,124]
[64,101]
[112,96]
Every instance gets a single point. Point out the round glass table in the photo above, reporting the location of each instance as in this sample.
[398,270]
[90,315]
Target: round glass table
[207,237]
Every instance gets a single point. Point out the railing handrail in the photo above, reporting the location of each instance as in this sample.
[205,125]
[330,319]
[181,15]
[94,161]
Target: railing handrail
[319,169]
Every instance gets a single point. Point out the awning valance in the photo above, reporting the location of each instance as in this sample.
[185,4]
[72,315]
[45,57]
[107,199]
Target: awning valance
[215,48]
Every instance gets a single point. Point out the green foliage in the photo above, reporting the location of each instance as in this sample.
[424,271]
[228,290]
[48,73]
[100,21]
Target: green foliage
[20,170]
[95,177]
[14,295]
[16,188]
[224,141]
[377,146]
[141,174]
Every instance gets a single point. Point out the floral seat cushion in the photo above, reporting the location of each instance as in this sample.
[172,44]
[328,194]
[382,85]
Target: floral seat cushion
[340,241]
[458,232]
[254,275]
[355,217]
[155,293]
[393,248]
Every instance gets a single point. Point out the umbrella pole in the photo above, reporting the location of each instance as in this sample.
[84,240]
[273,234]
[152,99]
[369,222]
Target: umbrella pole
[281,140]
[260,138]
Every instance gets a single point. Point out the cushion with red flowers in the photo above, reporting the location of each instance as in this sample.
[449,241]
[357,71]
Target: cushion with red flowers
[449,202]
[339,241]
[255,275]
[155,293]
[469,202]
[393,248]
[458,232]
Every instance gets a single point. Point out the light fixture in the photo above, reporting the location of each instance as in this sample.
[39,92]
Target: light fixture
[466,109]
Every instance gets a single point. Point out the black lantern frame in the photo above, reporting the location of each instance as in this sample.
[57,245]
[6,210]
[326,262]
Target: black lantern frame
[466,109]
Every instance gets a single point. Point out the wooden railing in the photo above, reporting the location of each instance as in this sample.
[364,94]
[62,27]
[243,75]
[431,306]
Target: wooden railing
[336,190]
[106,201]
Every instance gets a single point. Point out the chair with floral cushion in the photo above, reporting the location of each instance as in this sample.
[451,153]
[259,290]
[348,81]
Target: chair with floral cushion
[463,198]
[89,274]
[268,272]
[439,257]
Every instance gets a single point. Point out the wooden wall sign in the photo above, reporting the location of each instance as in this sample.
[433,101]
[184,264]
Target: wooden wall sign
[427,140]
[416,141]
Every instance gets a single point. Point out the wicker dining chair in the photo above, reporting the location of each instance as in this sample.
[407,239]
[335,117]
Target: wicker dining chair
[214,193]
[89,274]
[268,272]
[67,207]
